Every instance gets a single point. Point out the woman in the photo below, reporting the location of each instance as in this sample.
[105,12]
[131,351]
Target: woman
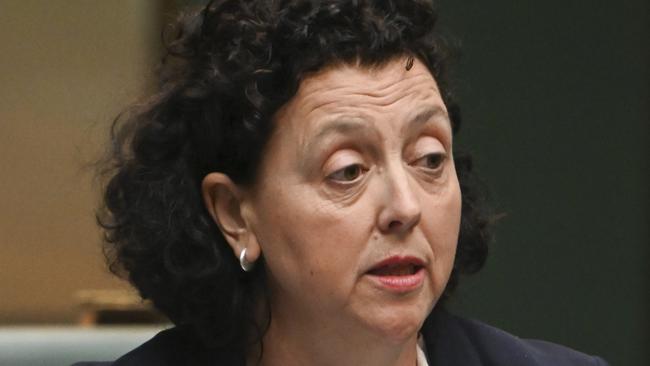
[291,195]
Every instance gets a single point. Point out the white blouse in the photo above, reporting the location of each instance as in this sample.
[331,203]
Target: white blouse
[421,357]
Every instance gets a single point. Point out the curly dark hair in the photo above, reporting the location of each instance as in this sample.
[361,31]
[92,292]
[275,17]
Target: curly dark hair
[229,67]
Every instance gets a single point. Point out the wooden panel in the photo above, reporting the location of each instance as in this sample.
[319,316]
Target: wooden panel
[67,69]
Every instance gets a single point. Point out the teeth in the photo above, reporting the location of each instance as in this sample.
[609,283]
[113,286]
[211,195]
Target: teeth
[401,270]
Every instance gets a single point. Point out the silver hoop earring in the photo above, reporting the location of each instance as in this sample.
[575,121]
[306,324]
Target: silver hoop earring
[244,263]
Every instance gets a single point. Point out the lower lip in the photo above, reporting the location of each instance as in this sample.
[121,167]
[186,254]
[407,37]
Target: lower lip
[400,284]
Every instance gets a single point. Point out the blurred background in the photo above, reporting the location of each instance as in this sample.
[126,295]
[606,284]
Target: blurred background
[555,98]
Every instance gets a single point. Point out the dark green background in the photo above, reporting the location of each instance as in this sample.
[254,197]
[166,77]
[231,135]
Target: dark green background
[555,97]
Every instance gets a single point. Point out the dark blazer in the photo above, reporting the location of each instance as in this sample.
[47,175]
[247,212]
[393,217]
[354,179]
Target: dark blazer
[450,341]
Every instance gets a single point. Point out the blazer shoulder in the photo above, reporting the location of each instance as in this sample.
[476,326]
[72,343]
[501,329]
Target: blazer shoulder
[551,353]
[161,350]
[178,346]
[456,340]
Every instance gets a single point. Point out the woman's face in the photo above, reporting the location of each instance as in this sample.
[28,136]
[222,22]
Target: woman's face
[357,205]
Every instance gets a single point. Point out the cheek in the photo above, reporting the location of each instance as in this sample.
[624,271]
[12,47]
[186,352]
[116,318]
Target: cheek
[442,228]
[329,243]
[307,238]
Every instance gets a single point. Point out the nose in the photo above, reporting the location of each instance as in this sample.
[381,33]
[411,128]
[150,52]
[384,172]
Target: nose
[401,209]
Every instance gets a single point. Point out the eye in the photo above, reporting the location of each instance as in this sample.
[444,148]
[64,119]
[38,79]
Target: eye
[348,174]
[431,161]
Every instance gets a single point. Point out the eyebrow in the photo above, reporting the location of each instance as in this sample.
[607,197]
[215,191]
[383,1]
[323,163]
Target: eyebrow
[346,125]
[339,126]
[426,115]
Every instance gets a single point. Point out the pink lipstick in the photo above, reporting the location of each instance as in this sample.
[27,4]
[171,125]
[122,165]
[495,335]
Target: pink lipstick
[398,274]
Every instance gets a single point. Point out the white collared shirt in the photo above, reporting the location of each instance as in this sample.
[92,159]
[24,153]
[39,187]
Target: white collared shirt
[421,357]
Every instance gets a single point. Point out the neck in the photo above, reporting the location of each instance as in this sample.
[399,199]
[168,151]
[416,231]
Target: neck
[293,341]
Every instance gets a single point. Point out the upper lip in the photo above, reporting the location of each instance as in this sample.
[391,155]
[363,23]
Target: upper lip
[398,260]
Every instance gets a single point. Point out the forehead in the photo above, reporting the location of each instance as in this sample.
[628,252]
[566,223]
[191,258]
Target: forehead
[385,106]
[382,85]
[387,93]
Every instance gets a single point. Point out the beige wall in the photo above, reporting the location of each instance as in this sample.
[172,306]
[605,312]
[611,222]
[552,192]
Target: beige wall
[66,69]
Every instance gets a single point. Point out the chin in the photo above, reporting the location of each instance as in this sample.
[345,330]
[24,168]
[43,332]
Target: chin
[399,324]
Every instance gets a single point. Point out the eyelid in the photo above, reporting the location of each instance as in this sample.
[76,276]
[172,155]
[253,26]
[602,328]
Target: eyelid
[437,127]
[342,160]
[428,147]
[360,170]
[427,144]
[441,155]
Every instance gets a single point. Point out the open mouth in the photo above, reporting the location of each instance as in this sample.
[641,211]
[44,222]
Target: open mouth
[405,269]
[398,274]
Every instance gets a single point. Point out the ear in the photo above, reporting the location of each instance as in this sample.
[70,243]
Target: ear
[226,203]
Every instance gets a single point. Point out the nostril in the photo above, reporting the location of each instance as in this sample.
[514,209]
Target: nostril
[394,225]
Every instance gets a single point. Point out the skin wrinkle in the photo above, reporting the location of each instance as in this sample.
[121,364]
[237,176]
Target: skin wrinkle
[361,131]
[350,124]
[380,100]
[338,126]
[383,95]
[209,123]
[319,238]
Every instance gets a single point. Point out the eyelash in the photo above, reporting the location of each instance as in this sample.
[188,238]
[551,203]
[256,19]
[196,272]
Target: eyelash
[356,169]
[353,172]
[439,160]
